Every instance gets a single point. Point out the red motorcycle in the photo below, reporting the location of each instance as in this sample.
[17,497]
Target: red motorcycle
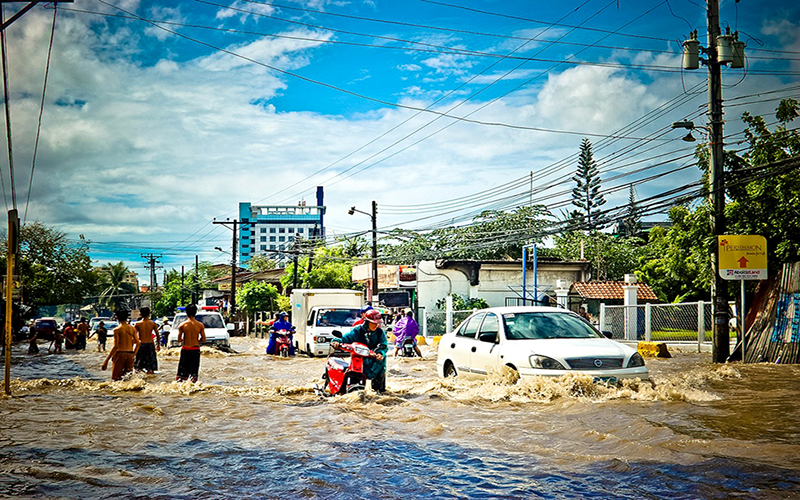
[282,344]
[342,377]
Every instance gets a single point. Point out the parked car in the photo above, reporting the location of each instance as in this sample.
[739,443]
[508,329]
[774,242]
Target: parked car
[108,324]
[97,319]
[217,332]
[543,341]
[45,328]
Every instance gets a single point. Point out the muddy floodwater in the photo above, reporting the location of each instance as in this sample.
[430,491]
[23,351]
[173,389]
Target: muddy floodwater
[253,427]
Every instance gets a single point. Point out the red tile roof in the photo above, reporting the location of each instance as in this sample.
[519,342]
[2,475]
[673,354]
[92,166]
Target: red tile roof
[610,290]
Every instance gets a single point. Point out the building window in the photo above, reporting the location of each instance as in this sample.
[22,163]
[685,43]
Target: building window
[263,247]
[283,246]
[282,238]
[263,230]
[271,238]
[263,238]
[272,230]
[245,254]
[299,230]
[291,238]
[282,230]
[272,247]
[290,230]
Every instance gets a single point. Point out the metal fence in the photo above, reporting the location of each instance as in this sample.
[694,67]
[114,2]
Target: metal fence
[685,322]
[435,322]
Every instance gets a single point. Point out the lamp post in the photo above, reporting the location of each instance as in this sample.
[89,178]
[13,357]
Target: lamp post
[232,301]
[374,216]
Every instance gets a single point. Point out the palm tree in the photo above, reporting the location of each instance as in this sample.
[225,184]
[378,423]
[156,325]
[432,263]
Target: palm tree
[114,280]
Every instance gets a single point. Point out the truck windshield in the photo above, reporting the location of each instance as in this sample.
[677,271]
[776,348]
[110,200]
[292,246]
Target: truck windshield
[336,317]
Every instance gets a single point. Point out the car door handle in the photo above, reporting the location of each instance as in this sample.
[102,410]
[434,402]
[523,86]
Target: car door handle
[474,349]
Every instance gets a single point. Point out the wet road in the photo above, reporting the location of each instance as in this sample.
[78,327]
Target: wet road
[254,428]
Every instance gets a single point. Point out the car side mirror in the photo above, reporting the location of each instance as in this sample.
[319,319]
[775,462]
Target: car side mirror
[488,337]
[310,321]
[607,334]
[337,334]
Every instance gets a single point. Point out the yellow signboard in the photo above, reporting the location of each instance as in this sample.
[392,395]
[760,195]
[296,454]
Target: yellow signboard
[743,257]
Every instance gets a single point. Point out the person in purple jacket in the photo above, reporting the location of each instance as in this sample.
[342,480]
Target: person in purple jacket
[406,328]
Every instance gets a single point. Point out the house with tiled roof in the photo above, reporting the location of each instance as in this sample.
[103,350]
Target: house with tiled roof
[592,293]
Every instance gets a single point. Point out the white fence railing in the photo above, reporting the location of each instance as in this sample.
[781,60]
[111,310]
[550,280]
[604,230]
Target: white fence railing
[684,322]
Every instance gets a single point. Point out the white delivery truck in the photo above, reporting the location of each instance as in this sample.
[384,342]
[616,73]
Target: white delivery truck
[316,313]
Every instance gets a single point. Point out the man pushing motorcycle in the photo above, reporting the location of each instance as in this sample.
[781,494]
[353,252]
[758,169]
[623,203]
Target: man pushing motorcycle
[372,335]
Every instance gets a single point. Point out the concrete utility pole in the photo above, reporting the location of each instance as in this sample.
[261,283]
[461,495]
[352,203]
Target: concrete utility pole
[374,216]
[13,216]
[152,260]
[234,223]
[721,336]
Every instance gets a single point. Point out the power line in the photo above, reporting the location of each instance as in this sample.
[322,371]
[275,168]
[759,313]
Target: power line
[41,112]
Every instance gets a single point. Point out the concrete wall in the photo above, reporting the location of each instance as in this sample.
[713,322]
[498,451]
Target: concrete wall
[496,281]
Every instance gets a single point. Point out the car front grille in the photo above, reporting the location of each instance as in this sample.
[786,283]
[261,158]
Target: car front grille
[594,363]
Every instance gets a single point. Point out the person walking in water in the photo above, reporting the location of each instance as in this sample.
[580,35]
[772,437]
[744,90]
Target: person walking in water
[83,333]
[190,333]
[126,343]
[146,359]
[102,335]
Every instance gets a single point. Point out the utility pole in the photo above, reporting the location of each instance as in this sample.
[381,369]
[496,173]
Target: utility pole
[152,260]
[722,50]
[721,341]
[196,294]
[374,250]
[234,223]
[182,283]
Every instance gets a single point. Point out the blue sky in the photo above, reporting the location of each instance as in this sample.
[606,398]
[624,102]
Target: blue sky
[161,116]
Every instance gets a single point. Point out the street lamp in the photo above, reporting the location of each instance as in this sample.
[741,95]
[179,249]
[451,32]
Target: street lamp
[232,301]
[374,217]
[688,125]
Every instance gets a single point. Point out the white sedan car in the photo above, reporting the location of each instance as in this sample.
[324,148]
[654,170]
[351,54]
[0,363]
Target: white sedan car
[544,341]
[217,332]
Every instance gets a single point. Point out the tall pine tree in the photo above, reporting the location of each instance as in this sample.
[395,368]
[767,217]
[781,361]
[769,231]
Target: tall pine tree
[586,195]
[631,225]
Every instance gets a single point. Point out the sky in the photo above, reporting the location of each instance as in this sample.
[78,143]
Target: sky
[160,117]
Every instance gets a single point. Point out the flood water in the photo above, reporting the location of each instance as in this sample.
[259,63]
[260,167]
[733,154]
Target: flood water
[252,427]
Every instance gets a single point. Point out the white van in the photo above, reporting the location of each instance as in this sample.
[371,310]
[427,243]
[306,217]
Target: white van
[217,332]
[316,313]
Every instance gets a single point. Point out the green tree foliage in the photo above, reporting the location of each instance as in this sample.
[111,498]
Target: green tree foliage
[493,235]
[330,268]
[677,263]
[611,257]
[257,296]
[170,295]
[631,224]
[463,303]
[258,263]
[586,194]
[53,269]
[115,291]
[765,201]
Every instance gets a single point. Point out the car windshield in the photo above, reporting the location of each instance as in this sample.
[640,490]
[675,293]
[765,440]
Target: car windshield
[546,325]
[336,317]
[108,325]
[208,320]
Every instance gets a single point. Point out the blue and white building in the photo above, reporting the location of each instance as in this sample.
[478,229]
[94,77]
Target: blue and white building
[272,230]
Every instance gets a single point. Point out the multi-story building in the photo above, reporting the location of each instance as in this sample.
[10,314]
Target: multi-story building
[272,230]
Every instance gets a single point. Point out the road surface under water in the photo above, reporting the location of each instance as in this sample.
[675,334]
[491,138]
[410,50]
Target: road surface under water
[253,427]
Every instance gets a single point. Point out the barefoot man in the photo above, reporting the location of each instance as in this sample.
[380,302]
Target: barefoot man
[146,359]
[190,333]
[126,343]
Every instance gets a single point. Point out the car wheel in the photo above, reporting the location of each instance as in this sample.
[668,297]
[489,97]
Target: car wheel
[309,351]
[450,370]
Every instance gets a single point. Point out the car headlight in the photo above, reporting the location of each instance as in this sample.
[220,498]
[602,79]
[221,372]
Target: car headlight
[544,362]
[636,360]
